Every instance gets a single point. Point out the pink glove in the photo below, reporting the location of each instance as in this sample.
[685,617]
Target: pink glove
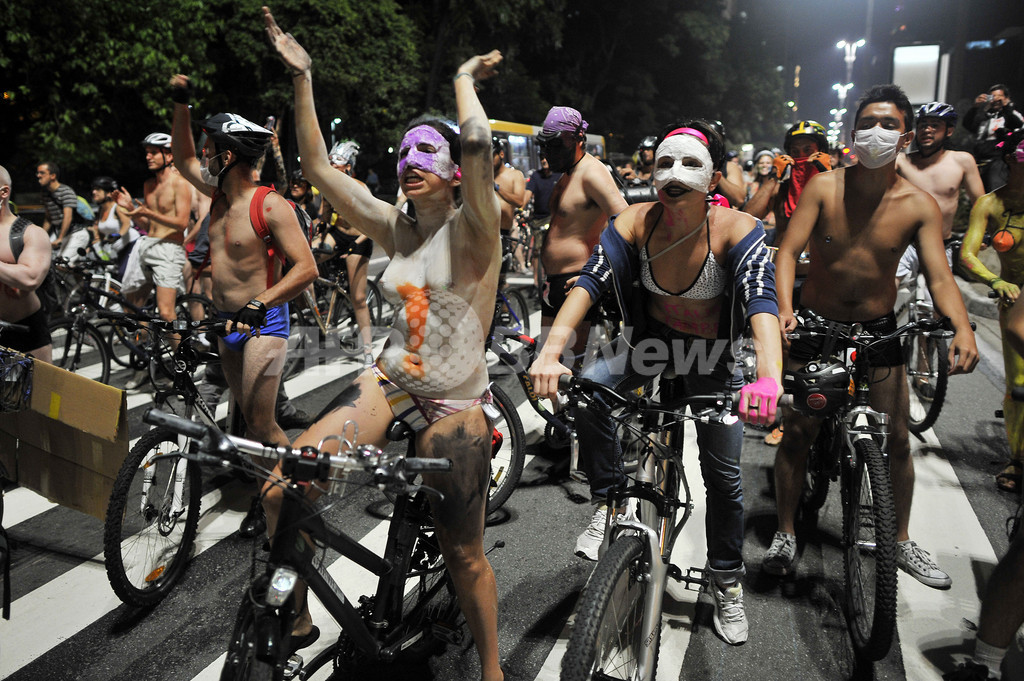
[759,400]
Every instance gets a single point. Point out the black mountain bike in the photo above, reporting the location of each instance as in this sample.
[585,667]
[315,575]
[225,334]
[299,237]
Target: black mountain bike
[414,608]
[851,447]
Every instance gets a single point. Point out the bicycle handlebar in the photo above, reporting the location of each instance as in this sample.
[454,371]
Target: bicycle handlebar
[135,321]
[219,449]
[815,327]
[726,403]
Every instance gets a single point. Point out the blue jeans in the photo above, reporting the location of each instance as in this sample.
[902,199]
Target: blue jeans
[702,367]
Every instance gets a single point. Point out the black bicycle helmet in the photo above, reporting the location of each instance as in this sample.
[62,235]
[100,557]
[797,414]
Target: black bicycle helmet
[107,184]
[818,389]
[809,128]
[648,142]
[718,126]
[297,176]
[231,131]
[938,110]
[157,139]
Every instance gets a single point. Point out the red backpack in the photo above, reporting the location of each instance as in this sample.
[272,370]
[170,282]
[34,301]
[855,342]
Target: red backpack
[259,225]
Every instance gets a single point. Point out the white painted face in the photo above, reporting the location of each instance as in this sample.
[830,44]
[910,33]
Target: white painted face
[683,159]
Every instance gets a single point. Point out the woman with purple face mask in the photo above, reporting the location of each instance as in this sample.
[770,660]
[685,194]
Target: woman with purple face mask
[442,279]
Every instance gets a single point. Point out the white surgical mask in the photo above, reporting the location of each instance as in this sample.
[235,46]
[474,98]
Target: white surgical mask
[205,174]
[679,147]
[876,146]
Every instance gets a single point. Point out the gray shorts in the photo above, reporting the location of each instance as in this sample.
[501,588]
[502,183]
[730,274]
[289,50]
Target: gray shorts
[162,262]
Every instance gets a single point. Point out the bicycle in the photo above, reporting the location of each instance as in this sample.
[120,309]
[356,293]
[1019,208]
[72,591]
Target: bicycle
[331,312]
[618,619]
[925,358]
[153,513]
[851,446]
[414,605]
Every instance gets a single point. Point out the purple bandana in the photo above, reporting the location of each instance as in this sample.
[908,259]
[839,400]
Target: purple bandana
[438,162]
[563,119]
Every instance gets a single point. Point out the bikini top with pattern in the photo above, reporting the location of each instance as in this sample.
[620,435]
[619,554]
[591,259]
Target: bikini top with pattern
[710,283]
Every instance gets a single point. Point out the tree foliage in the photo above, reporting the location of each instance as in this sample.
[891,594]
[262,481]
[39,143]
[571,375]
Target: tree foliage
[86,80]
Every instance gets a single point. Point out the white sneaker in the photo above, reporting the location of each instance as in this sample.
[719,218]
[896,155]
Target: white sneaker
[588,544]
[730,619]
[138,379]
[916,562]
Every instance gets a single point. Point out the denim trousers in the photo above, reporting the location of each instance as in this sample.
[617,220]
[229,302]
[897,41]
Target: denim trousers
[702,366]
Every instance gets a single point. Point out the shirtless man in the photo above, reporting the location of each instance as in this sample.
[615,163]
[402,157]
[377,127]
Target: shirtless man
[510,186]
[939,171]
[857,221]
[248,287]
[583,200]
[20,277]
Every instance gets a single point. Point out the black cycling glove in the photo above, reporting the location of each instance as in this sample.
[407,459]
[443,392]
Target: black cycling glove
[182,95]
[254,314]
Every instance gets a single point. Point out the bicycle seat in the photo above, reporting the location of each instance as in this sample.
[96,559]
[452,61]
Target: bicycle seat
[399,430]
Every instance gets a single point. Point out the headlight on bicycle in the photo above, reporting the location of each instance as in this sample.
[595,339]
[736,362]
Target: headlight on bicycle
[281,586]
[818,389]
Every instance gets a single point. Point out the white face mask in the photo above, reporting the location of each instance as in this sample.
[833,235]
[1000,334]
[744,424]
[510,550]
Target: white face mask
[205,174]
[876,146]
[679,148]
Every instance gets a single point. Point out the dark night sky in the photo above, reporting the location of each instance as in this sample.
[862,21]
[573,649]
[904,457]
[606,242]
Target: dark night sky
[805,32]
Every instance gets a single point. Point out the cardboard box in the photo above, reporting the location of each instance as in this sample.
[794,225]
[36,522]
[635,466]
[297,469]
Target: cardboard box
[71,442]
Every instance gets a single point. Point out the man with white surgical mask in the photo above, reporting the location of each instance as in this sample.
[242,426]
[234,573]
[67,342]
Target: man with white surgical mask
[690,276]
[857,221]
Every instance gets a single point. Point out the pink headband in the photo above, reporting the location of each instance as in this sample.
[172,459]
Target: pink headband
[691,132]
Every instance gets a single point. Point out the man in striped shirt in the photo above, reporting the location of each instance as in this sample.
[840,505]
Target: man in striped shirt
[59,201]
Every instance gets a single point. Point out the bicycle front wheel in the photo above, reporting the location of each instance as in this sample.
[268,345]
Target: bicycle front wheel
[869,539]
[78,347]
[151,519]
[252,655]
[507,461]
[608,635]
[927,377]
[512,316]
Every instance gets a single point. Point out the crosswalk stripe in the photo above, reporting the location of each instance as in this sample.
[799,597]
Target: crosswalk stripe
[944,524]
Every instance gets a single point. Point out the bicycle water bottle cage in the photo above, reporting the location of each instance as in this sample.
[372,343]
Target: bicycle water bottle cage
[820,388]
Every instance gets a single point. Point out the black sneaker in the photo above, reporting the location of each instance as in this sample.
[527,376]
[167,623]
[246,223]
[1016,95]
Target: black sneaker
[297,419]
[968,671]
[254,523]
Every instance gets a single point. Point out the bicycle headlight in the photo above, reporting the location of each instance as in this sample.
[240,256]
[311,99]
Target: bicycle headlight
[281,586]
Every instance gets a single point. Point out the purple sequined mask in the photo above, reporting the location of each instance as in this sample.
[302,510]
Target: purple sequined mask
[438,162]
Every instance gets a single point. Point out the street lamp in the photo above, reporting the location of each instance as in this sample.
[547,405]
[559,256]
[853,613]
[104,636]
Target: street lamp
[851,55]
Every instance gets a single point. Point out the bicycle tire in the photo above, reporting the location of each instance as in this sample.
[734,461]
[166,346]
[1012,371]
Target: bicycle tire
[147,545]
[515,314]
[120,353]
[870,566]
[242,662]
[507,463]
[921,418]
[607,635]
[816,476]
[342,322]
[79,348]
[183,307]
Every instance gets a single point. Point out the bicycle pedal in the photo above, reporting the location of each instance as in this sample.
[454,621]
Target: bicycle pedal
[695,578]
[443,631]
[292,667]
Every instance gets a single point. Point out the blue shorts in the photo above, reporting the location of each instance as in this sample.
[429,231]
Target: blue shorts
[277,324]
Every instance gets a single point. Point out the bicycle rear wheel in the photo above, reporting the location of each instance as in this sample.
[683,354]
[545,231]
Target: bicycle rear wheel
[512,315]
[869,539]
[507,461]
[927,365]
[151,519]
[78,347]
[608,634]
